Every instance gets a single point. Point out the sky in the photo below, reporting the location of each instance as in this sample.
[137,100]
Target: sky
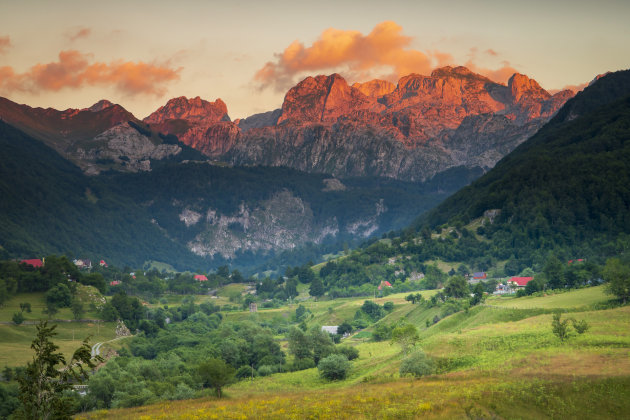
[70,54]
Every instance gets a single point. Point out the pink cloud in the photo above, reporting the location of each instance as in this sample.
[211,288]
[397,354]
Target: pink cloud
[360,56]
[5,44]
[74,70]
[78,34]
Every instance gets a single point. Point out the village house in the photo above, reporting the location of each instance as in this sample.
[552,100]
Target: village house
[37,263]
[519,282]
[200,277]
[330,329]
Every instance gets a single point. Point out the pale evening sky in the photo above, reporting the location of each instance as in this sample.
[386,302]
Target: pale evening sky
[69,54]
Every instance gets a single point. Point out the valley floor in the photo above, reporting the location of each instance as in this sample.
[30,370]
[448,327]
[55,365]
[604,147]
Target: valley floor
[500,360]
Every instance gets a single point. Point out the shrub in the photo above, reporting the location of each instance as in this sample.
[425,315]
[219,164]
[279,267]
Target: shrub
[388,306]
[18,318]
[417,364]
[350,352]
[334,367]
[580,326]
[301,364]
[560,327]
[245,372]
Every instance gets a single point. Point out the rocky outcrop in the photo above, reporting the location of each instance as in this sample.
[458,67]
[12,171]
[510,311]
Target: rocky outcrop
[324,99]
[124,148]
[203,125]
[375,88]
[265,119]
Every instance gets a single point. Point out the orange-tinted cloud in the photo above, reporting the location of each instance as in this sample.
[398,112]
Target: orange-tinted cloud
[78,34]
[73,70]
[574,88]
[385,46]
[384,50]
[500,75]
[5,44]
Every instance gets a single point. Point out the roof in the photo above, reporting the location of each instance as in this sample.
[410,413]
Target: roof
[201,277]
[480,275]
[33,262]
[114,283]
[330,329]
[521,281]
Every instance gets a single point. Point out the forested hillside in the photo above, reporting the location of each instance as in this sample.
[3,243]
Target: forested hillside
[192,214]
[48,206]
[564,191]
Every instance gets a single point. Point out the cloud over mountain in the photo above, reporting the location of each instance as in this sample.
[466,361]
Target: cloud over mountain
[384,50]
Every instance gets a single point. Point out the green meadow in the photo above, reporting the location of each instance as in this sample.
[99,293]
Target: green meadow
[499,360]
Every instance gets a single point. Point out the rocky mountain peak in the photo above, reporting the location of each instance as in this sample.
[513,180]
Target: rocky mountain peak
[457,72]
[323,99]
[521,85]
[193,109]
[100,105]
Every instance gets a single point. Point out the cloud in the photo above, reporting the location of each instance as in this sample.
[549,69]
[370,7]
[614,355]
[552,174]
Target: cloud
[385,51]
[78,34]
[500,75]
[74,71]
[5,44]
[385,46]
[573,88]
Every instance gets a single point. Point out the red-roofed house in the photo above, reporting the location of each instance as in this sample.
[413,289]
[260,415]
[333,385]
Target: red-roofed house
[115,283]
[201,277]
[103,263]
[33,262]
[520,281]
[384,283]
[480,276]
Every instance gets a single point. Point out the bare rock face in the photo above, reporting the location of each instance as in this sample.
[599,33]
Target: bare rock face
[323,99]
[375,88]
[125,147]
[265,119]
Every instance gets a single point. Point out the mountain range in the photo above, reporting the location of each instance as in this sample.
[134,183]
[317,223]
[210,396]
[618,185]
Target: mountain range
[353,161]
[410,131]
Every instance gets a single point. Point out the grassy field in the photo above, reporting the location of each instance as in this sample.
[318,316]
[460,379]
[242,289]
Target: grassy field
[15,340]
[582,298]
[499,361]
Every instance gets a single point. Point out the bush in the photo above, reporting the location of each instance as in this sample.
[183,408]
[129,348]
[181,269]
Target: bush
[350,352]
[334,367]
[245,372]
[18,318]
[301,364]
[388,306]
[417,364]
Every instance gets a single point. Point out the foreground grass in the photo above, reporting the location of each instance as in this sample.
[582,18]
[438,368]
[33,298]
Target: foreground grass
[450,396]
